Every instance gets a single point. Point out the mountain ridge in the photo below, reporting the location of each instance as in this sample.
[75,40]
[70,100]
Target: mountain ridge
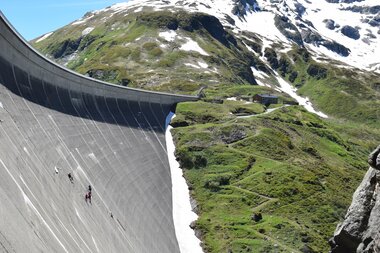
[241,12]
[239,53]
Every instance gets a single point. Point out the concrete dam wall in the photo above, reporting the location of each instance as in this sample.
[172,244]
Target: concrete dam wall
[54,122]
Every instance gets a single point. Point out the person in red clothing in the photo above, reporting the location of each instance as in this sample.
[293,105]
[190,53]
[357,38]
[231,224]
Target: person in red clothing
[88,196]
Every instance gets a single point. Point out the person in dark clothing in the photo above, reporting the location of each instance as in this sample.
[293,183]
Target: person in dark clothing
[70,178]
[89,188]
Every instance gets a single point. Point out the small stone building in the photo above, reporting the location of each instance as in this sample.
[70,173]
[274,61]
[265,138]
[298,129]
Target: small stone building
[265,99]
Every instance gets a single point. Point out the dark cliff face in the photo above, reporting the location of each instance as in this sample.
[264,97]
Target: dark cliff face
[360,231]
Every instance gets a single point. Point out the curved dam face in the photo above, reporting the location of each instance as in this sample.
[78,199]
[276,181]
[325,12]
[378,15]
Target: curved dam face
[54,122]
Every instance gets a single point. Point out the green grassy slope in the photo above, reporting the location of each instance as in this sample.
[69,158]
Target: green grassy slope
[349,94]
[296,170]
[128,50]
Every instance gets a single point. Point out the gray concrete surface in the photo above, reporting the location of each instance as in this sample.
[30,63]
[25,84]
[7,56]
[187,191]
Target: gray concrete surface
[54,122]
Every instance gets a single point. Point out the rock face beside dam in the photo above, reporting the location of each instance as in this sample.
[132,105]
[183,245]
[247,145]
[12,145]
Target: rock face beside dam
[54,122]
[360,230]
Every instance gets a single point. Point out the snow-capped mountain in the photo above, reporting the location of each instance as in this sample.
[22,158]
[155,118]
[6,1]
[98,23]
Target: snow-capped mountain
[347,31]
[179,46]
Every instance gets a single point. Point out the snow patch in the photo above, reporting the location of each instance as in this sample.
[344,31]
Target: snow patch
[305,102]
[87,31]
[182,211]
[361,55]
[192,65]
[203,65]
[168,35]
[44,37]
[192,45]
[261,23]
[199,66]
[138,10]
[250,49]
[258,73]
[260,83]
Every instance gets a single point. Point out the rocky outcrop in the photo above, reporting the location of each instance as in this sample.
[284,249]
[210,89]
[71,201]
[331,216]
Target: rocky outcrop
[312,37]
[374,21]
[330,24]
[242,6]
[104,75]
[300,9]
[364,9]
[64,48]
[343,1]
[360,230]
[288,29]
[189,22]
[351,32]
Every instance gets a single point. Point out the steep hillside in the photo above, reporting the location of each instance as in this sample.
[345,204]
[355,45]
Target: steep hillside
[153,50]
[276,182]
[264,181]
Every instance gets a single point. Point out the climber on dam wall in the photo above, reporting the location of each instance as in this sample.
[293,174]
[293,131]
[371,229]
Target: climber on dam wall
[71,178]
[88,195]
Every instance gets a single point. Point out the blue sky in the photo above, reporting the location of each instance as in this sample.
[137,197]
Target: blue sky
[33,18]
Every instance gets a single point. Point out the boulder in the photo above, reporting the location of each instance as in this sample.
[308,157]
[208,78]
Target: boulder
[257,217]
[360,230]
[350,32]
[330,24]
